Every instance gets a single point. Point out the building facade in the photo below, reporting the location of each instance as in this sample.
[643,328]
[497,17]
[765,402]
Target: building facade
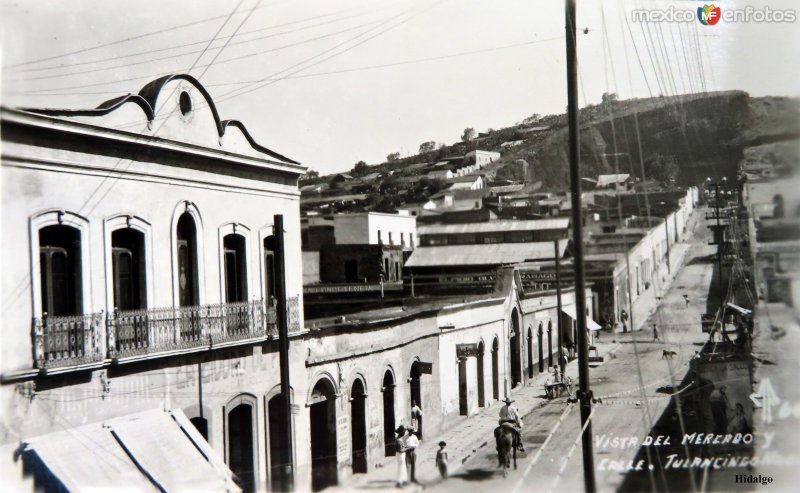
[144,278]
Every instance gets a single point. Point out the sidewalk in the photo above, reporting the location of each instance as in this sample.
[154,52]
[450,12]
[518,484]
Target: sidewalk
[466,438]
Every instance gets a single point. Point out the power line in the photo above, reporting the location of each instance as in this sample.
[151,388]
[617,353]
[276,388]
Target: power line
[241,92]
[348,70]
[124,40]
[195,43]
[173,56]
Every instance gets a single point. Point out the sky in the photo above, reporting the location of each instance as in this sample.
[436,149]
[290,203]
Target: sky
[331,83]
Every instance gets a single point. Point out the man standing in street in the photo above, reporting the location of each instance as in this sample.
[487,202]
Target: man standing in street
[412,442]
[655,332]
[416,418]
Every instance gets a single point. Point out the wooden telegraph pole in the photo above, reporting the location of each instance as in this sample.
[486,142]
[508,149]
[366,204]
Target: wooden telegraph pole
[584,394]
[283,341]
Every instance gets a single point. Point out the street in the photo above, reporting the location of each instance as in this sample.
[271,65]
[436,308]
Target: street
[634,385]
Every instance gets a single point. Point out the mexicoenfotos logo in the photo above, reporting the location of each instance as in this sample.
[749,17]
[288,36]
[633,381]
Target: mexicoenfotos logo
[709,15]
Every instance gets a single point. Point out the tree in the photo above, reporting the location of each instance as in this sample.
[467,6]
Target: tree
[311,175]
[469,134]
[663,168]
[360,168]
[609,97]
[427,149]
[394,156]
[534,118]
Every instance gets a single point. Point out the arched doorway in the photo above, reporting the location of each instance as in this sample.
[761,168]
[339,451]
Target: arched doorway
[358,426]
[495,370]
[539,334]
[323,435]
[550,343]
[388,413]
[279,459]
[530,353]
[241,444]
[481,392]
[516,364]
[778,206]
[463,405]
[416,392]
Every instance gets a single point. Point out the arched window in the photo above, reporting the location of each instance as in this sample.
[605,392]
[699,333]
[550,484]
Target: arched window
[129,270]
[60,266]
[188,279]
[235,261]
[270,288]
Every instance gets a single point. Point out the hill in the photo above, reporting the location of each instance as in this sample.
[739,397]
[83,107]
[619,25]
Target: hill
[675,140]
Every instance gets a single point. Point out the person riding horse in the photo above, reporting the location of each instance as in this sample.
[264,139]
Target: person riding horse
[510,418]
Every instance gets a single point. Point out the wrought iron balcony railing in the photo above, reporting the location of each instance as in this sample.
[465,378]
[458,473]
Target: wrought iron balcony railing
[67,340]
[149,331]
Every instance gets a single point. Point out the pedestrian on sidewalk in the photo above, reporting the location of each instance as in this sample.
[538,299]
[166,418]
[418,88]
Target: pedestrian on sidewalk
[441,459]
[686,299]
[400,450]
[416,418]
[655,333]
[412,442]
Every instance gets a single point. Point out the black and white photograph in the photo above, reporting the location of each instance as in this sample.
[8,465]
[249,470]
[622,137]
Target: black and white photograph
[451,246]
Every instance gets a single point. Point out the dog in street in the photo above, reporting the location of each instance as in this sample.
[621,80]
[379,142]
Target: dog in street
[667,354]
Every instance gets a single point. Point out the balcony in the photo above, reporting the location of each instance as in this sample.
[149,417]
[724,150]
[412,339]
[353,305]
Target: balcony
[67,341]
[144,332]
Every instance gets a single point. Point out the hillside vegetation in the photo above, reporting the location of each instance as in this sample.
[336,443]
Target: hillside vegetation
[702,134]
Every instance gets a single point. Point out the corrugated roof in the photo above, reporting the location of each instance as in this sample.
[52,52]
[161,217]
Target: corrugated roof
[606,180]
[494,226]
[492,254]
[465,179]
[508,188]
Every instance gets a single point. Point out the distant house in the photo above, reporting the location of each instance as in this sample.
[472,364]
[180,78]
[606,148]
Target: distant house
[511,143]
[470,182]
[506,190]
[371,177]
[312,189]
[414,169]
[528,131]
[440,174]
[340,178]
[459,199]
[481,158]
[618,182]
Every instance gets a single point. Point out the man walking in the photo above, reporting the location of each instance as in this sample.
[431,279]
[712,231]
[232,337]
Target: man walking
[412,442]
[655,333]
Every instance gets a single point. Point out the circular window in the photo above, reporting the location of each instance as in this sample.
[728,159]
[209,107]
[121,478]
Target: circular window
[185,103]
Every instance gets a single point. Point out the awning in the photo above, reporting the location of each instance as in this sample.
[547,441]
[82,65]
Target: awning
[570,311]
[148,451]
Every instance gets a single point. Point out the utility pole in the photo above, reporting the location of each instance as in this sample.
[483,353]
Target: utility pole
[719,240]
[666,227]
[283,341]
[584,394]
[558,317]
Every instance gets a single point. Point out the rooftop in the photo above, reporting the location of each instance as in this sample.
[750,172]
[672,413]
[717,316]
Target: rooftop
[491,254]
[494,226]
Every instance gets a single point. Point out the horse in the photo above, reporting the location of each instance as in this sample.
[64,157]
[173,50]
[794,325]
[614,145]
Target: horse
[506,447]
